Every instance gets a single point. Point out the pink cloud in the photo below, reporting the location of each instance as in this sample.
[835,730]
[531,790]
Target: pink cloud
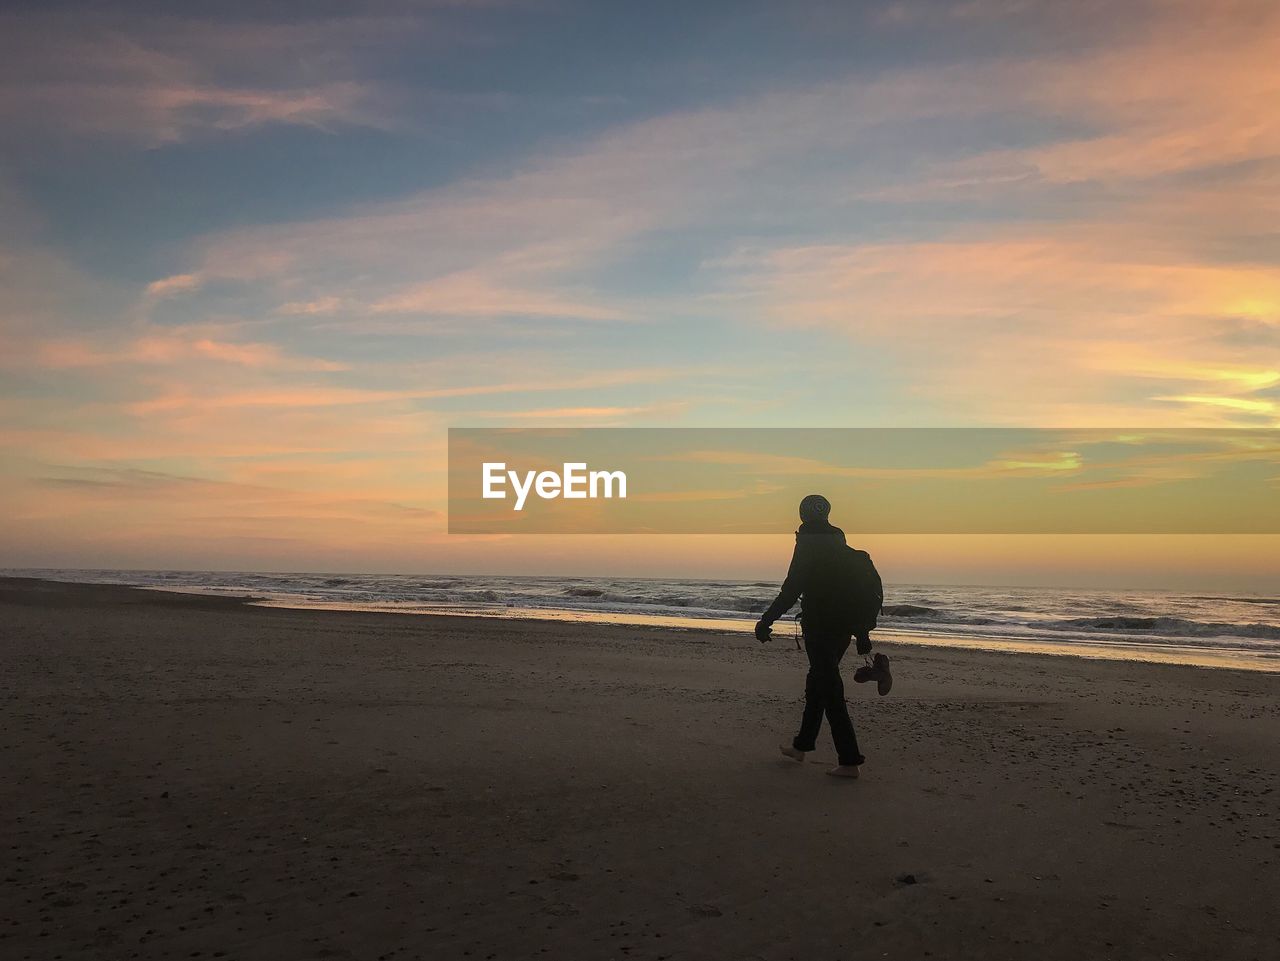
[162,349]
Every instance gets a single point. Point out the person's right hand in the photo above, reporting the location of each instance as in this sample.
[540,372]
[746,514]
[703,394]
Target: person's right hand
[763,632]
[864,643]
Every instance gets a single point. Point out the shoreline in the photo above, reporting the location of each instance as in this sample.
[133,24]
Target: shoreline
[1205,658]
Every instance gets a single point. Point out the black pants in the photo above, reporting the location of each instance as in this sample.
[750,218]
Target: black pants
[824,693]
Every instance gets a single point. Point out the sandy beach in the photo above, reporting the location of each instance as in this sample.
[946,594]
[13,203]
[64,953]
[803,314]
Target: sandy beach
[193,777]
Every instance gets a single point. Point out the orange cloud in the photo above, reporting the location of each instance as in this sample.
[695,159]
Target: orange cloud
[178,283]
[1075,308]
[219,395]
[471,293]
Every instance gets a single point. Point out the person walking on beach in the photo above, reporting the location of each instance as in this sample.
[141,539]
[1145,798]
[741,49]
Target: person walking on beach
[840,595]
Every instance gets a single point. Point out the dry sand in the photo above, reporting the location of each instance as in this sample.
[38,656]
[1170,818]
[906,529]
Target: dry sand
[189,777]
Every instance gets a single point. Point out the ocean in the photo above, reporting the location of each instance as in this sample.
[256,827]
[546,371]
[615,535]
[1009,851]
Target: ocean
[1209,628]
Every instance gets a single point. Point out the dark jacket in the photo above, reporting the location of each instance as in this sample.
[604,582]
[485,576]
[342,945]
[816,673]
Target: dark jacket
[814,579]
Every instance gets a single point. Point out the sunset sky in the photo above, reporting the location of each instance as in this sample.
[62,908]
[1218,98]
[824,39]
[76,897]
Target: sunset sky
[255,262]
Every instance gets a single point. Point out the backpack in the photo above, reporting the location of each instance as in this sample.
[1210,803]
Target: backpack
[862,592]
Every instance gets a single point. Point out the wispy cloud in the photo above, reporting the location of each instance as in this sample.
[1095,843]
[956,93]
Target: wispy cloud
[315,395]
[161,348]
[176,284]
[1244,404]
[604,416]
[160,81]
[472,294]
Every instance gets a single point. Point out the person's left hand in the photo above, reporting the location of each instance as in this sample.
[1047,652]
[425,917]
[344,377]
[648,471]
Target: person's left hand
[763,632]
[864,643]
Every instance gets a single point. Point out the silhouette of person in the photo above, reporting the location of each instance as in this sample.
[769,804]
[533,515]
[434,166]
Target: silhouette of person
[819,576]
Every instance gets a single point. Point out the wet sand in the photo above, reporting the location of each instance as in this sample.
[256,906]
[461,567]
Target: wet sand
[193,777]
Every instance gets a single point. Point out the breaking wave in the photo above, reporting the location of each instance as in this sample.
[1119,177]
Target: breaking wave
[1043,615]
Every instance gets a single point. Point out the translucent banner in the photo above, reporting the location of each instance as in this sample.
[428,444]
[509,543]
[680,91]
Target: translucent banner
[879,480]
